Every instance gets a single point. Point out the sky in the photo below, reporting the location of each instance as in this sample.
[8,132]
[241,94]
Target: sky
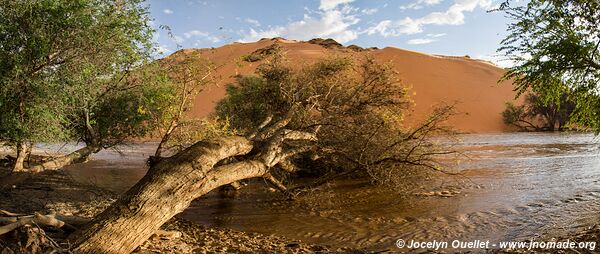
[445,27]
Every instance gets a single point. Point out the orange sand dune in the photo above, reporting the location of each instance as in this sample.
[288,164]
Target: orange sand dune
[469,83]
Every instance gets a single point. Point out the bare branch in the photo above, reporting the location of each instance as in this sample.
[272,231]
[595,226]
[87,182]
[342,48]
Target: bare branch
[48,220]
[273,129]
[260,127]
[272,180]
[299,135]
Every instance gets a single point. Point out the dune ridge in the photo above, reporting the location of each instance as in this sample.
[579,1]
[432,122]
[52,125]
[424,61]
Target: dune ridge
[471,84]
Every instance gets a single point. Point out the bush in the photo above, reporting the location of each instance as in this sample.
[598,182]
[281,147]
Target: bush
[356,109]
[540,113]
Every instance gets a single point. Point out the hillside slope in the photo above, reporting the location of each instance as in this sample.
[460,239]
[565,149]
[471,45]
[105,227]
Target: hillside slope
[470,84]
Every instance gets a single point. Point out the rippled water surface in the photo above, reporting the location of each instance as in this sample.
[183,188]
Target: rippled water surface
[513,187]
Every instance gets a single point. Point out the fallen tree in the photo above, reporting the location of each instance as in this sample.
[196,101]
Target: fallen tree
[344,117]
[169,186]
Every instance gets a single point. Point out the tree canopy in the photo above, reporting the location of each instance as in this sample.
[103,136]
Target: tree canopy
[555,47]
[356,109]
[538,115]
[66,71]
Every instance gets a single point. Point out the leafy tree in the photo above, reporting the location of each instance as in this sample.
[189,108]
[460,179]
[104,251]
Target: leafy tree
[539,115]
[187,74]
[357,108]
[66,74]
[555,43]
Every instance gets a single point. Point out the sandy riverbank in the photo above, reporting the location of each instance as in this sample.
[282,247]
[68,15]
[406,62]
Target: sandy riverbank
[56,191]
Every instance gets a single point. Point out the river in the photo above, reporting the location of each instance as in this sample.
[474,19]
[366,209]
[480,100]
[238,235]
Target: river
[513,186]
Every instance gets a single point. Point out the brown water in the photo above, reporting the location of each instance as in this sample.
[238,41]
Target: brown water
[514,187]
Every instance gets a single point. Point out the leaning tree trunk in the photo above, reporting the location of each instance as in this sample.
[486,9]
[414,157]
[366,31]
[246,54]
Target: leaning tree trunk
[78,156]
[21,155]
[166,190]
[173,183]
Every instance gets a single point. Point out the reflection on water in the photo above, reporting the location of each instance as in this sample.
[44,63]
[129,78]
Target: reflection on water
[113,169]
[515,186]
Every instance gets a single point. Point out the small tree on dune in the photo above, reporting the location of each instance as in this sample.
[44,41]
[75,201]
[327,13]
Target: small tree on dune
[537,114]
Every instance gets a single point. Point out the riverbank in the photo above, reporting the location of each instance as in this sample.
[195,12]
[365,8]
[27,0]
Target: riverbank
[57,191]
[512,187]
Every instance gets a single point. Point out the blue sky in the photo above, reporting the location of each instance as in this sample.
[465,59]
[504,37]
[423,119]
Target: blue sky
[447,27]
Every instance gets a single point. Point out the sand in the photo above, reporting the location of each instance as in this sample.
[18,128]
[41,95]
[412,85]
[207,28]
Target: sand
[471,84]
[79,202]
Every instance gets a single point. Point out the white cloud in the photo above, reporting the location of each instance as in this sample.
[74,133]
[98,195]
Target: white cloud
[213,39]
[162,50]
[194,33]
[436,35]
[168,11]
[370,11]
[454,15]
[332,22]
[178,39]
[332,4]
[395,28]
[203,35]
[253,22]
[420,4]
[420,41]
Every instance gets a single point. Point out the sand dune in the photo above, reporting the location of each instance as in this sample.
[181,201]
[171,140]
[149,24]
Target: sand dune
[469,83]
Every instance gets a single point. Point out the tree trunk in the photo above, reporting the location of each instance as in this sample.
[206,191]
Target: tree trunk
[80,155]
[173,183]
[167,136]
[21,155]
[166,190]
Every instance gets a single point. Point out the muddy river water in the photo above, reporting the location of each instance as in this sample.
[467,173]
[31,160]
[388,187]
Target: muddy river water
[512,187]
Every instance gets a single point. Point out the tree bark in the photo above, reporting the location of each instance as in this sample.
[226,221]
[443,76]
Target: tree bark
[166,190]
[80,155]
[173,183]
[21,155]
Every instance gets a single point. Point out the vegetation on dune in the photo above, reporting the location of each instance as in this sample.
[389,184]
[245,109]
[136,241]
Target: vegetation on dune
[262,53]
[555,45]
[355,108]
[536,114]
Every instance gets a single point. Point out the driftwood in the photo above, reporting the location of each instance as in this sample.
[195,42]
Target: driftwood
[17,220]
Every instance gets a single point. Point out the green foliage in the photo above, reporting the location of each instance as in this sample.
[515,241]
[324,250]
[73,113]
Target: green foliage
[241,107]
[357,108]
[192,130]
[555,43]
[186,76]
[513,114]
[539,113]
[64,67]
